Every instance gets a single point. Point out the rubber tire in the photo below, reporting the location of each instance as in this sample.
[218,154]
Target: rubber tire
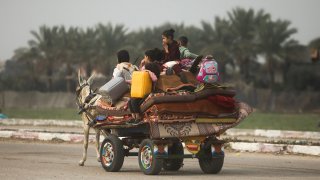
[174,164]
[211,165]
[118,159]
[156,164]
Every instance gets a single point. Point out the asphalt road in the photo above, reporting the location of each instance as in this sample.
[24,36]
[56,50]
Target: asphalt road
[26,160]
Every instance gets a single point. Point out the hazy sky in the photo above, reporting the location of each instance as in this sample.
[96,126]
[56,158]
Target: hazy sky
[19,17]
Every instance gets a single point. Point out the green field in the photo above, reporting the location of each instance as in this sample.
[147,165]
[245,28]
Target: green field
[257,120]
[298,122]
[55,113]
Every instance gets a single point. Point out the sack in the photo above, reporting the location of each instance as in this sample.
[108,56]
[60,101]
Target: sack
[172,67]
[141,84]
[188,77]
[126,70]
[127,73]
[114,89]
[208,72]
[168,81]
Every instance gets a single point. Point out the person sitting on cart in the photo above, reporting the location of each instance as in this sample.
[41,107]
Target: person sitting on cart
[158,57]
[170,46]
[188,60]
[183,48]
[171,62]
[154,72]
[148,58]
[124,68]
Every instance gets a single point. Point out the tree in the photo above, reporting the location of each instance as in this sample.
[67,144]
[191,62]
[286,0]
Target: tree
[315,43]
[273,37]
[243,25]
[109,40]
[46,48]
[217,40]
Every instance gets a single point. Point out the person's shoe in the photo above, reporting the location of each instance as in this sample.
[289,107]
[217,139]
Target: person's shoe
[133,122]
[137,121]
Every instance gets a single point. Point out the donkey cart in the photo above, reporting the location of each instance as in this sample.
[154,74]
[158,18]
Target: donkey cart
[164,132]
[155,154]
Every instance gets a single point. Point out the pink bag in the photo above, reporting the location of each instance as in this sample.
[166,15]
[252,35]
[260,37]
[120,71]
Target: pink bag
[208,71]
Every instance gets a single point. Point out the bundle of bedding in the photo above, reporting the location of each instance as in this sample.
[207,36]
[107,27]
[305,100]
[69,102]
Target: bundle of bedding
[187,129]
[207,106]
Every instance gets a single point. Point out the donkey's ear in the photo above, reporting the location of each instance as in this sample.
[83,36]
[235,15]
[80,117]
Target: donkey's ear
[91,78]
[80,79]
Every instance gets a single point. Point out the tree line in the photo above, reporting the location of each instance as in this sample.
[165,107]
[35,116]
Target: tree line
[250,47]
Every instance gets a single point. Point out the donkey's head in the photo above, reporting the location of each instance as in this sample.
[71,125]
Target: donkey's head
[83,89]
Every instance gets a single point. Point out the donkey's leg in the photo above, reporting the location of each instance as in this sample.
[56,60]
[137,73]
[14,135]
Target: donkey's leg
[86,130]
[98,144]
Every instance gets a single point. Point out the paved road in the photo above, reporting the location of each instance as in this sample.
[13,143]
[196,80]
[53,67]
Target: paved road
[25,160]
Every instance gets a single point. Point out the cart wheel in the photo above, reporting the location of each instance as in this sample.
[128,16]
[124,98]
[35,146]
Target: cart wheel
[148,163]
[210,164]
[112,153]
[174,164]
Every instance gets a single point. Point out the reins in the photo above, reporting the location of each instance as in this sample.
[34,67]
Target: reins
[84,107]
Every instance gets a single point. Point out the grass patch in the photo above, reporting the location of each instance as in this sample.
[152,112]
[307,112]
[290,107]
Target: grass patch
[54,113]
[279,121]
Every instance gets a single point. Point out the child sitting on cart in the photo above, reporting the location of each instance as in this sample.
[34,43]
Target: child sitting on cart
[124,69]
[154,73]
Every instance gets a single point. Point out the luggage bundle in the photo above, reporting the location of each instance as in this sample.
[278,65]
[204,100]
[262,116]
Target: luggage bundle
[114,89]
[184,98]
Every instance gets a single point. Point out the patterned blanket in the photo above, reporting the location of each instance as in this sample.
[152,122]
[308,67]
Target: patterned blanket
[187,129]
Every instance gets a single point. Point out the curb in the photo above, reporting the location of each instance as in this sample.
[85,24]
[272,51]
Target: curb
[238,146]
[45,136]
[42,122]
[273,133]
[275,148]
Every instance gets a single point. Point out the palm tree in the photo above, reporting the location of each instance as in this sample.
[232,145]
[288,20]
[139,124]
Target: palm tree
[243,25]
[315,43]
[273,37]
[44,46]
[217,40]
[109,40]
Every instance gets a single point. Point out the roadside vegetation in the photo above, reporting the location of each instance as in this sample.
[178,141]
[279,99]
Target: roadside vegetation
[250,46]
[282,121]
[257,120]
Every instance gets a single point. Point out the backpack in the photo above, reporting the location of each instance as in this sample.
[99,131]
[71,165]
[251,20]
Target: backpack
[208,71]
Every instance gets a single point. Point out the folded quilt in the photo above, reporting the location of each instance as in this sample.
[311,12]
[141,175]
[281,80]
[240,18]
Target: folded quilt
[198,107]
[183,97]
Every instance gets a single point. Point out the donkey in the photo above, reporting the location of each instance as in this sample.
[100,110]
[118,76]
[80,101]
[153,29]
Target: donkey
[86,101]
